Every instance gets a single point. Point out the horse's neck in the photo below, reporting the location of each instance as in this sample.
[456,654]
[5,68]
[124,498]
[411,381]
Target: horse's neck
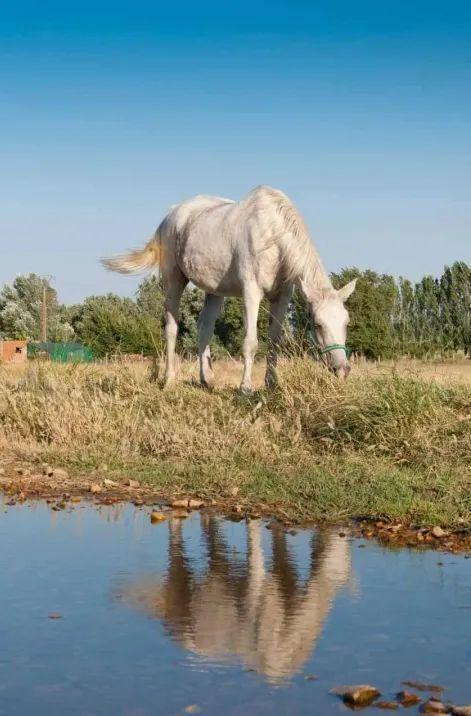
[310,272]
[316,275]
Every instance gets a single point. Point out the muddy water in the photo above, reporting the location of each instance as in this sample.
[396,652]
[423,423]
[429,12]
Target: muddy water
[207,616]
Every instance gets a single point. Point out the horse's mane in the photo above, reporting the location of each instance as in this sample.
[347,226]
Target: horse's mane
[290,233]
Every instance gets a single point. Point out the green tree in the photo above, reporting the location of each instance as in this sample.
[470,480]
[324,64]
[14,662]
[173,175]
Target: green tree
[20,310]
[230,328]
[455,290]
[428,316]
[191,303]
[150,298]
[110,324]
[404,324]
[372,308]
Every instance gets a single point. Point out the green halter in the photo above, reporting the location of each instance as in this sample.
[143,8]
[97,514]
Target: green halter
[334,347]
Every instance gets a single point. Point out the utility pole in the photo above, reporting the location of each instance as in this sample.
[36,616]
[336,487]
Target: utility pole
[44,313]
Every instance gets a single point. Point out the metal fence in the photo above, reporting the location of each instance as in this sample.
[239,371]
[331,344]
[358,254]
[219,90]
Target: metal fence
[61,352]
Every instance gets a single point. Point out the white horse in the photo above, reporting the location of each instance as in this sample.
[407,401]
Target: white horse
[255,247]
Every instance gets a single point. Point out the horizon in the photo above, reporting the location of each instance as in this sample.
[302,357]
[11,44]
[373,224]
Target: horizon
[112,114]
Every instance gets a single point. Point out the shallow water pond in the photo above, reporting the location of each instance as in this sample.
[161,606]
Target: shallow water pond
[210,616]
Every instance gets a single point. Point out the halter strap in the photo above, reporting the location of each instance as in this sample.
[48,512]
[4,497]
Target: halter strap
[333,347]
[328,349]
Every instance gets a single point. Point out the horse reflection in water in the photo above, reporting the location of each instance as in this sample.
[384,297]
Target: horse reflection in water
[255,610]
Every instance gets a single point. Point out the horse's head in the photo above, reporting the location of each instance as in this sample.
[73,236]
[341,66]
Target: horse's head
[330,318]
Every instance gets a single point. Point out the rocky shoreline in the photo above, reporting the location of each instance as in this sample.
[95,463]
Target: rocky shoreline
[21,481]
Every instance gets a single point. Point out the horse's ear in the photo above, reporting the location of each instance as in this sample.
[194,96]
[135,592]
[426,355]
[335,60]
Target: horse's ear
[347,290]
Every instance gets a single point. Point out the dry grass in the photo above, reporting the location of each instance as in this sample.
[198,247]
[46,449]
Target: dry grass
[385,442]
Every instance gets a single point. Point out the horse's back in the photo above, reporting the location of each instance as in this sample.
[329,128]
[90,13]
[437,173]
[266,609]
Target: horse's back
[217,243]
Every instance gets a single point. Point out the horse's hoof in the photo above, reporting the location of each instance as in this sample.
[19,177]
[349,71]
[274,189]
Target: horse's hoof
[270,382]
[207,381]
[245,390]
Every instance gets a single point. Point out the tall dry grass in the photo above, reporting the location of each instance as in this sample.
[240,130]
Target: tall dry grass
[313,439]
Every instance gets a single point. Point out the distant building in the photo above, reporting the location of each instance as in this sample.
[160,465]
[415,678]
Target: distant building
[13,351]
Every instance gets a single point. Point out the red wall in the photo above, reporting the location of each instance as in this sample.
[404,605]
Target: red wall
[13,351]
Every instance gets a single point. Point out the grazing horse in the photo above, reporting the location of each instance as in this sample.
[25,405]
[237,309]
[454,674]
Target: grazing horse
[255,247]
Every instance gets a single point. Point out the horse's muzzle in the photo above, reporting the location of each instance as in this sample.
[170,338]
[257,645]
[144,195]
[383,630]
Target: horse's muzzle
[342,371]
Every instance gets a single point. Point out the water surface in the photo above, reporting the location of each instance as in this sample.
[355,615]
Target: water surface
[216,615]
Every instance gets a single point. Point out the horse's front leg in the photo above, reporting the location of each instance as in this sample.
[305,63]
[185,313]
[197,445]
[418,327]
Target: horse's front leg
[207,319]
[278,308]
[252,295]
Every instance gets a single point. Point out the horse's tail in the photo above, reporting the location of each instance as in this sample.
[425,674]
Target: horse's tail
[137,260]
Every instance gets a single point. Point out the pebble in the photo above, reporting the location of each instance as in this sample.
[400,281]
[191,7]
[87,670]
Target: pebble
[360,695]
[156,516]
[195,504]
[182,502]
[421,686]
[109,483]
[433,706]
[407,698]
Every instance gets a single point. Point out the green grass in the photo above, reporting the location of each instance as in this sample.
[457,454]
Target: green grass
[392,445]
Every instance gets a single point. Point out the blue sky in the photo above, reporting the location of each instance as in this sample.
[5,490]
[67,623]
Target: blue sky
[112,111]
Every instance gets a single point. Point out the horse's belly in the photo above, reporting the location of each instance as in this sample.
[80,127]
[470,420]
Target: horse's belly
[211,268]
[212,279]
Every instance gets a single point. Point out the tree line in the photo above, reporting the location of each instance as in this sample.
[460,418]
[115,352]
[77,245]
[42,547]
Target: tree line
[389,317]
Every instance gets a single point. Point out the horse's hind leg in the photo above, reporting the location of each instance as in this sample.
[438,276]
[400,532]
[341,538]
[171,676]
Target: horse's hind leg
[175,283]
[278,308]
[207,319]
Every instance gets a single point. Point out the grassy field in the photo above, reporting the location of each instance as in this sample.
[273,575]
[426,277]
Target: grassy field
[392,441]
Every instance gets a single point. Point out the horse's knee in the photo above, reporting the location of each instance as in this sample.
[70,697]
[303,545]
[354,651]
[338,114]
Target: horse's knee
[171,326]
[249,346]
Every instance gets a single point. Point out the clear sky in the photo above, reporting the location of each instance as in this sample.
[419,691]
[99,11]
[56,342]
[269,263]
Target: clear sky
[111,111]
